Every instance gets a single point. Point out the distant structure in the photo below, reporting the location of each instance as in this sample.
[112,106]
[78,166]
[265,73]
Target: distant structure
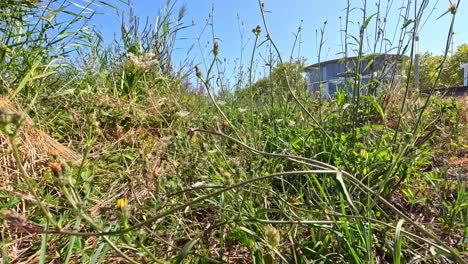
[465,76]
[328,77]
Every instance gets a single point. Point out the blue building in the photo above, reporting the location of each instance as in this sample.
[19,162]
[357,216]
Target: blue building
[326,78]
[465,75]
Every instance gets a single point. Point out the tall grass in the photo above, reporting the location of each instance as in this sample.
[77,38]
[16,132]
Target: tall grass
[173,173]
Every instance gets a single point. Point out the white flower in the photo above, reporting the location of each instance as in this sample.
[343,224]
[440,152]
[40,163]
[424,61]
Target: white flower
[183,113]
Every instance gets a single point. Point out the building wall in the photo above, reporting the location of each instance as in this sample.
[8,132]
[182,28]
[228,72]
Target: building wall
[465,76]
[332,76]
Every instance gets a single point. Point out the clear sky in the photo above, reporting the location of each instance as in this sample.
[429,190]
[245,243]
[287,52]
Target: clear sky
[284,17]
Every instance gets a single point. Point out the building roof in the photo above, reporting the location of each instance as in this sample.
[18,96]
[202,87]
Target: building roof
[384,55]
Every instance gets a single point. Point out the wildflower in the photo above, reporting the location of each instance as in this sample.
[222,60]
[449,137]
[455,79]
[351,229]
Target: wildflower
[144,63]
[121,203]
[272,236]
[195,139]
[226,123]
[197,185]
[215,118]
[56,168]
[452,8]
[216,48]
[183,113]
[294,200]
[148,56]
[362,152]
[95,124]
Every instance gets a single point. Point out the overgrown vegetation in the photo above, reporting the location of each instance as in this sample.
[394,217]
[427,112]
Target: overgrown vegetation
[452,73]
[168,171]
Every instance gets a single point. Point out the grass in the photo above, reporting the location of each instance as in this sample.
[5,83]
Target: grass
[169,172]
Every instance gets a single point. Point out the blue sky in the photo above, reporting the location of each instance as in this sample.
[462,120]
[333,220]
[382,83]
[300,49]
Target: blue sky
[284,18]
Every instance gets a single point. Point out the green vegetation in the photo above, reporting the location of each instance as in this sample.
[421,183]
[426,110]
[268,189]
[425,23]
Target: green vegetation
[167,171]
[452,73]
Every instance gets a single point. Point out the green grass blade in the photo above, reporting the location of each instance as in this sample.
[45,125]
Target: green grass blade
[43,254]
[398,243]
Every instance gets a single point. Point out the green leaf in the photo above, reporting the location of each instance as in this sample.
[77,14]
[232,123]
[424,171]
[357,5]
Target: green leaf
[339,177]
[43,254]
[185,250]
[366,23]
[398,243]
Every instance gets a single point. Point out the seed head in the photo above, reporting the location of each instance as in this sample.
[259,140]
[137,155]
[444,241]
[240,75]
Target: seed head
[272,236]
[216,48]
[452,8]
[197,71]
[257,31]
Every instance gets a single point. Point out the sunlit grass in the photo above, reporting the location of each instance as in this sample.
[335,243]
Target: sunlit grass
[163,171]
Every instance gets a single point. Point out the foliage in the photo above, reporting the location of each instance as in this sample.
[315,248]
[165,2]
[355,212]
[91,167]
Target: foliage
[266,174]
[452,73]
[275,86]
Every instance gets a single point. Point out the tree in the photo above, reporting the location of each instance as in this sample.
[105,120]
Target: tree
[428,69]
[282,77]
[452,73]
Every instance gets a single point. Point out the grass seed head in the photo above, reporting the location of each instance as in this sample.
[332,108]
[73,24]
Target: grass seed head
[198,72]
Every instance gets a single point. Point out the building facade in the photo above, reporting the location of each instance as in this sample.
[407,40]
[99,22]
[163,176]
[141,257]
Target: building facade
[326,78]
[465,75]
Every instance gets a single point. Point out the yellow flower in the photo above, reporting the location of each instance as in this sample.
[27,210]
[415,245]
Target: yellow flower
[362,152]
[121,203]
[195,139]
